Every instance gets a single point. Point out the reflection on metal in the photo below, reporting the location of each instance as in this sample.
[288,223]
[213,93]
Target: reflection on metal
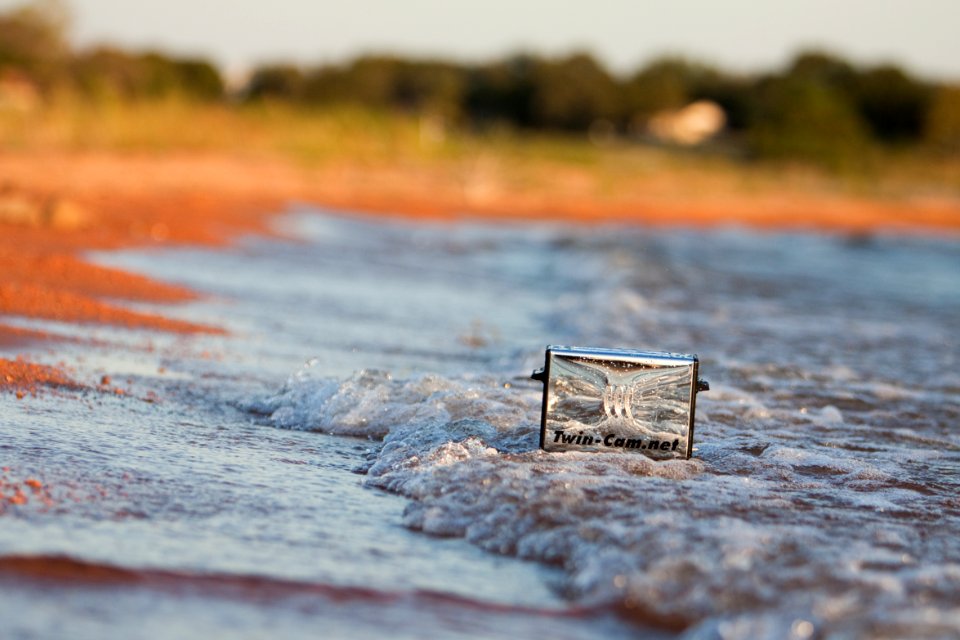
[618,400]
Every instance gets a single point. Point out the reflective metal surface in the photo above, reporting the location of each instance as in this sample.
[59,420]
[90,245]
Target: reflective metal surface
[618,400]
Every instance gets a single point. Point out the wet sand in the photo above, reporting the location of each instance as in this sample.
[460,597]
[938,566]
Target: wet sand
[55,206]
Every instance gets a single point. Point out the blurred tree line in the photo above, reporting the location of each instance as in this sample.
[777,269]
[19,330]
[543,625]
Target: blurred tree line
[34,47]
[820,107]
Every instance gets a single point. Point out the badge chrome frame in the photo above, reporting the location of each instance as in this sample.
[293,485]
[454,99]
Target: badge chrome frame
[641,359]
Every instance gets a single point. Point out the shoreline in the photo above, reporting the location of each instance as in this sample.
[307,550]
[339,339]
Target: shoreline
[208,183]
[55,205]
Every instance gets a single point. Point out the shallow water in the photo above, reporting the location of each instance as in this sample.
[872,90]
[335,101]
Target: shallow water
[257,493]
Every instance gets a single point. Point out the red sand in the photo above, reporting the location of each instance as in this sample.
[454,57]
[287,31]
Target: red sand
[102,201]
[15,336]
[25,377]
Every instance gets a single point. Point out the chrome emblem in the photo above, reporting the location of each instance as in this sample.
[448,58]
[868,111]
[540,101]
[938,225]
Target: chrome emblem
[619,400]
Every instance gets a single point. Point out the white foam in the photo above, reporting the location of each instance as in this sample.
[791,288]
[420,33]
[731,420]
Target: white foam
[687,539]
[372,404]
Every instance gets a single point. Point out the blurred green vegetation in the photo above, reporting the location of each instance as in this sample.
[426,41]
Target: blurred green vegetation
[820,109]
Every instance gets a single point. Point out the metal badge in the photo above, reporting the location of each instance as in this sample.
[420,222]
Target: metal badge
[618,400]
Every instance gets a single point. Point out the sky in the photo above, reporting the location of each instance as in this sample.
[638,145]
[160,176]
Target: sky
[741,35]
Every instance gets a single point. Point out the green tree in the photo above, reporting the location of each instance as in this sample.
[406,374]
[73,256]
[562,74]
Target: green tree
[672,82]
[109,72]
[502,91]
[198,79]
[802,118]
[388,82]
[943,121]
[735,95]
[33,40]
[106,72]
[824,68]
[667,83]
[893,104]
[572,93]
[275,81]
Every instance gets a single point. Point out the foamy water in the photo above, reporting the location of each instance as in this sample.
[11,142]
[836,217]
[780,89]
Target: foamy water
[821,500]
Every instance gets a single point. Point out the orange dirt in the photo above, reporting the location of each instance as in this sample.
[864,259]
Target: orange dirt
[56,205]
[27,377]
[55,303]
[14,337]
[63,205]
